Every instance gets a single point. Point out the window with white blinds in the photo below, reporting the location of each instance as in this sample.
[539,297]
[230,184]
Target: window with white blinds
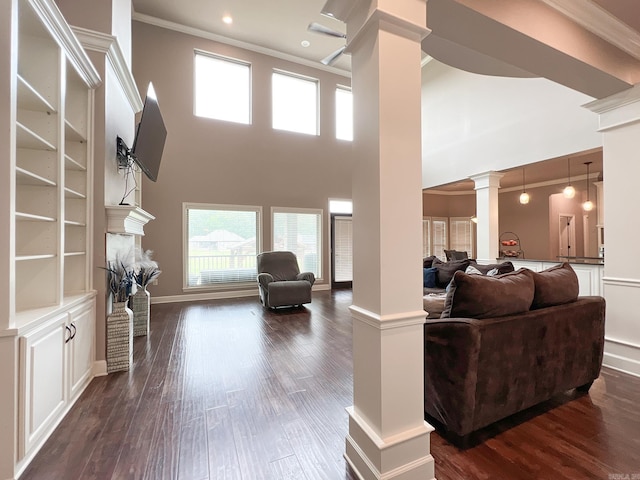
[299,230]
[439,237]
[426,237]
[343,248]
[222,243]
[461,233]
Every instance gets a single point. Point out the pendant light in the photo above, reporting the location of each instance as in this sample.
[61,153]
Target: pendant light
[474,219]
[569,191]
[588,205]
[524,196]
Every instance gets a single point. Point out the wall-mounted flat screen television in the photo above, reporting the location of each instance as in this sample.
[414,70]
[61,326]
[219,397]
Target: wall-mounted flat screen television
[150,137]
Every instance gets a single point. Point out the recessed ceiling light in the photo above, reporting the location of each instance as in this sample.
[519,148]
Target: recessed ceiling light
[227,19]
[305,43]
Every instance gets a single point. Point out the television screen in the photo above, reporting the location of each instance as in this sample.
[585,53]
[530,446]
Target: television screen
[150,137]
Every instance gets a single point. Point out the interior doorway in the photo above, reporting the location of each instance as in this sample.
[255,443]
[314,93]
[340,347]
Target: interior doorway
[567,235]
[341,251]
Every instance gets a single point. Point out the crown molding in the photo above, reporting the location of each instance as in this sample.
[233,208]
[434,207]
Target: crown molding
[53,20]
[547,183]
[110,46]
[601,23]
[196,32]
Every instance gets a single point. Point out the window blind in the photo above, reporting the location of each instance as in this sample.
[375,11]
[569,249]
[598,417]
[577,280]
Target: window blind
[343,249]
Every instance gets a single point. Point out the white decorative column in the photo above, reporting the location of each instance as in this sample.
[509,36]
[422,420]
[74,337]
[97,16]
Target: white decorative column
[388,437]
[620,126]
[488,233]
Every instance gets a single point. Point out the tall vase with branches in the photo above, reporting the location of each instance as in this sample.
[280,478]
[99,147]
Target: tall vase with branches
[121,280]
[146,271]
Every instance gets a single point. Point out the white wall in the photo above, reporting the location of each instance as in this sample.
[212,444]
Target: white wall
[475,123]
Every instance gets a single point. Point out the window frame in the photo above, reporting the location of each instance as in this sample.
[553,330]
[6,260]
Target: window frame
[431,242]
[462,220]
[186,206]
[343,88]
[224,58]
[315,211]
[315,81]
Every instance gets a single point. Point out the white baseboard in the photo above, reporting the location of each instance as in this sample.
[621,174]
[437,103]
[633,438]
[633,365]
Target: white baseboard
[99,368]
[219,295]
[622,356]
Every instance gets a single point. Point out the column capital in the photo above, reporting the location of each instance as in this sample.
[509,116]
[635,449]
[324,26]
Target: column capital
[487,179]
[617,110]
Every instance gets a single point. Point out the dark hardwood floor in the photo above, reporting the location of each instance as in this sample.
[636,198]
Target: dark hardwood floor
[227,390]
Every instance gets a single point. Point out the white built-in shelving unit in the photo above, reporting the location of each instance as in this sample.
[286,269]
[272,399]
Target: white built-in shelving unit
[49,329]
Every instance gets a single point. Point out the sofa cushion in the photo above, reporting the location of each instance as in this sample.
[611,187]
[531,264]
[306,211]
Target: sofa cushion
[555,286]
[427,261]
[447,269]
[480,296]
[429,277]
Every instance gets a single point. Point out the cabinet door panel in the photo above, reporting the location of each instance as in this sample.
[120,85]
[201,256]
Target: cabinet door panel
[81,347]
[42,380]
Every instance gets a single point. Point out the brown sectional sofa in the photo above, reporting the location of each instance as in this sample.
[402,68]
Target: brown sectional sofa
[507,343]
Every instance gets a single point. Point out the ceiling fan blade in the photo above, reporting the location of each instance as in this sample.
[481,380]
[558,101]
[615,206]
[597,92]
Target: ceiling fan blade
[333,57]
[319,28]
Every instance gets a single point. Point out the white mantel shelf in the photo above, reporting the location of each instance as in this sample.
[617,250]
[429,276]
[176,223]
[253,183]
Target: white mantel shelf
[127,219]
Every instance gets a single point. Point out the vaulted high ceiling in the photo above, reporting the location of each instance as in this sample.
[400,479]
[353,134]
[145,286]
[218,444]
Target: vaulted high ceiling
[592,46]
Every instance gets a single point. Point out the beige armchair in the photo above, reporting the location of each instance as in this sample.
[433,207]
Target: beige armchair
[280,281]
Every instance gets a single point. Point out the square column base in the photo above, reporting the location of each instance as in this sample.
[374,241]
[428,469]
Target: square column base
[404,456]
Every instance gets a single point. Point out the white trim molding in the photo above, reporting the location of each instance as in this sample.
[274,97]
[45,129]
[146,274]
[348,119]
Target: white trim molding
[177,27]
[127,219]
[385,322]
[56,25]
[622,356]
[220,295]
[110,46]
[592,17]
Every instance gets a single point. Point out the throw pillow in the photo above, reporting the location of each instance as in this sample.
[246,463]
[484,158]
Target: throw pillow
[493,272]
[479,296]
[471,270]
[504,267]
[429,277]
[555,286]
[447,269]
[455,255]
[426,262]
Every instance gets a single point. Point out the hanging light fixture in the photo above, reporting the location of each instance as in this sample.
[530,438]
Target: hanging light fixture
[524,196]
[569,191]
[588,205]
[474,219]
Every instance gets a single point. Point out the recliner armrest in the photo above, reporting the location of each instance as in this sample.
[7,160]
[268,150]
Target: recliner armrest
[264,279]
[308,276]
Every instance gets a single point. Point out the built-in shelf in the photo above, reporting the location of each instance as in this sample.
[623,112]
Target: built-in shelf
[70,193]
[27,138]
[74,254]
[72,133]
[25,177]
[127,219]
[30,99]
[73,164]
[29,217]
[23,258]
[74,224]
